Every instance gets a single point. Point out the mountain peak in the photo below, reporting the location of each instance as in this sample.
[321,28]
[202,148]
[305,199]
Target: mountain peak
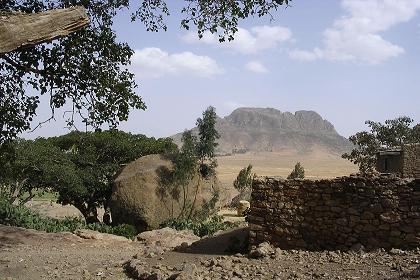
[269,129]
[270,118]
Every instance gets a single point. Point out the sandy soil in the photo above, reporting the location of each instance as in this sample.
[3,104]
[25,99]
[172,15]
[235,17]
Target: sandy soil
[318,164]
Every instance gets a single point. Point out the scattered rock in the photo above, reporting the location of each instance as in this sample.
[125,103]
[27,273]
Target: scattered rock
[263,250]
[167,238]
[243,205]
[394,251]
[91,234]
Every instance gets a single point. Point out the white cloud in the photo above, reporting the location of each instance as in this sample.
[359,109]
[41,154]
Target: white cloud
[356,36]
[256,66]
[306,55]
[257,39]
[154,63]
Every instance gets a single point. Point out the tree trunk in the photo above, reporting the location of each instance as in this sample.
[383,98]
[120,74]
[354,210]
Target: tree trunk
[19,30]
[89,212]
[92,215]
[195,197]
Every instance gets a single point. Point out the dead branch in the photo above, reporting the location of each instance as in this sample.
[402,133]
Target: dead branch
[18,30]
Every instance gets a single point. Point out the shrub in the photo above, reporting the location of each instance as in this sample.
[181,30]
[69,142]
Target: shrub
[244,179]
[298,172]
[200,228]
[21,216]
[126,230]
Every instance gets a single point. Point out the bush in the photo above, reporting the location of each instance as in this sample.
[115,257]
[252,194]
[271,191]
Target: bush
[200,228]
[244,179]
[126,230]
[21,216]
[298,172]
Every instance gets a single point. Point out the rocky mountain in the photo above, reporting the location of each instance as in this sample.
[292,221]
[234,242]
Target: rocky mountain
[268,129]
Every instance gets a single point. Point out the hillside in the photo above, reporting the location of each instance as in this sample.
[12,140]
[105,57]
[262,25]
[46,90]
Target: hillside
[270,130]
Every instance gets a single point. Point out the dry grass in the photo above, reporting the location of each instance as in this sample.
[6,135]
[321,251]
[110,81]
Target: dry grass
[317,164]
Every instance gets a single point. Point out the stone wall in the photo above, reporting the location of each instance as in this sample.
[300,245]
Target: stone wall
[339,213]
[411,161]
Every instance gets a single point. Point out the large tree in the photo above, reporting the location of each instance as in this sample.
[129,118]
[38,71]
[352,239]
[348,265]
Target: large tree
[393,133]
[79,167]
[98,156]
[30,167]
[86,71]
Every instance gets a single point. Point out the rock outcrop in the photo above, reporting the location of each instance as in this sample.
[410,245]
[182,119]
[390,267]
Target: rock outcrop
[269,130]
[139,198]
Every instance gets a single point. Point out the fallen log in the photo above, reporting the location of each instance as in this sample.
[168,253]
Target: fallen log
[18,30]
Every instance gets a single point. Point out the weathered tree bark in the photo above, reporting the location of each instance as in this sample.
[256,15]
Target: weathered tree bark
[19,30]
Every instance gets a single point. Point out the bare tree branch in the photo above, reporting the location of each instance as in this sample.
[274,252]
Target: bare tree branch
[18,30]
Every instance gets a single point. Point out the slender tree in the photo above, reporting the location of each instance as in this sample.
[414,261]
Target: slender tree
[207,144]
[195,160]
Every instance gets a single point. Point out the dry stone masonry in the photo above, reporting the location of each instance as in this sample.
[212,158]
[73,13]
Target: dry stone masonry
[411,161]
[341,213]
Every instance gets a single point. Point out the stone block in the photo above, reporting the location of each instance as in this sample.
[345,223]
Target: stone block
[390,217]
[367,215]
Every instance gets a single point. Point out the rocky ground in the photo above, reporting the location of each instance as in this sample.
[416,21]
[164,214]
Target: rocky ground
[28,254]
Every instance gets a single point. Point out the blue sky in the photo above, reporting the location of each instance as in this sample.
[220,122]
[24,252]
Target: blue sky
[348,60]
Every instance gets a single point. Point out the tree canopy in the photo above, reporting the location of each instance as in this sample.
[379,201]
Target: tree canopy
[393,133]
[87,70]
[79,167]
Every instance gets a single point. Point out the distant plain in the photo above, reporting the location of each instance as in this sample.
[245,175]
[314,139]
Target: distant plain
[318,164]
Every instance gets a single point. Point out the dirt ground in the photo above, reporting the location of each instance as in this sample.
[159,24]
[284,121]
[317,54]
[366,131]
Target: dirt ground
[28,254]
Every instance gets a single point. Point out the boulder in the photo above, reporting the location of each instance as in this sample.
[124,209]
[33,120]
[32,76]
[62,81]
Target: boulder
[243,205]
[263,250]
[167,238]
[140,198]
[243,195]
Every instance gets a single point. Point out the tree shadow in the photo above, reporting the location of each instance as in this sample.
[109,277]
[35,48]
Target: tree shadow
[10,236]
[226,243]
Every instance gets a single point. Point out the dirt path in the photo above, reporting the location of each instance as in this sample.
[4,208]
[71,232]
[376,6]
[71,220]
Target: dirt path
[28,254]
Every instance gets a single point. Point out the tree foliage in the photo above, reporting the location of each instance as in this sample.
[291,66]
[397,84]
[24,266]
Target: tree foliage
[244,179]
[393,133]
[298,172]
[222,17]
[86,69]
[79,166]
[86,72]
[36,166]
[20,216]
[195,159]
[206,147]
